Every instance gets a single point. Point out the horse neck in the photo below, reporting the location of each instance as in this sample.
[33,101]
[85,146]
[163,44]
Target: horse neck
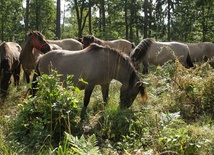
[98,41]
[123,71]
[28,47]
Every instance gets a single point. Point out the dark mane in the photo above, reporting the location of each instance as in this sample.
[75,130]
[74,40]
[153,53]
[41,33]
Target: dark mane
[36,33]
[92,39]
[141,49]
[122,56]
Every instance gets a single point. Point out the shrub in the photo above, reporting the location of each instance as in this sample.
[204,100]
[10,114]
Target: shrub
[44,118]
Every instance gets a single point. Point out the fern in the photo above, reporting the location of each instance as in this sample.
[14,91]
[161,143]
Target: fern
[82,146]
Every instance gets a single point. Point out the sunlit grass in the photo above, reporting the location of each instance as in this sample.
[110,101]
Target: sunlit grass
[171,89]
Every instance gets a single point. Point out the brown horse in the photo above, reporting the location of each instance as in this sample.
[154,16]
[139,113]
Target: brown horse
[157,53]
[97,65]
[35,39]
[9,65]
[120,44]
[199,51]
[67,44]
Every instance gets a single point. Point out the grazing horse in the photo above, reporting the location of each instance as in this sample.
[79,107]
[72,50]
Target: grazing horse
[97,65]
[199,51]
[9,65]
[67,44]
[120,44]
[157,53]
[35,39]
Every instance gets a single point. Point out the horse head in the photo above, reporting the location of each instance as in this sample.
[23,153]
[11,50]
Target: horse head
[129,92]
[87,40]
[38,41]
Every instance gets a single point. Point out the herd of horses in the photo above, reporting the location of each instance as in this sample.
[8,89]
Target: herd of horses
[94,60]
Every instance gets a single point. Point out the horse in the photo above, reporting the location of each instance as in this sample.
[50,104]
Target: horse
[67,44]
[120,44]
[200,51]
[97,65]
[9,65]
[157,53]
[55,46]
[34,40]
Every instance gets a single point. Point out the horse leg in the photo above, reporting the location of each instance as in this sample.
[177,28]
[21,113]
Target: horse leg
[27,76]
[145,67]
[87,95]
[105,91]
[5,81]
[189,61]
[34,84]
[16,76]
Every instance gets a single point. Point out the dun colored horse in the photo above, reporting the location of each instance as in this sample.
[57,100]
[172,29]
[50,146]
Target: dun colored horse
[35,39]
[157,53]
[120,44]
[67,44]
[97,65]
[199,51]
[9,65]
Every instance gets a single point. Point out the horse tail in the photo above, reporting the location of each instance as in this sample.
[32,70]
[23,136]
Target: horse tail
[35,76]
[189,61]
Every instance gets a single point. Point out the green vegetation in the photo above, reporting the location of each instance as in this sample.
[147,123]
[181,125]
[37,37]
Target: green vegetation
[177,117]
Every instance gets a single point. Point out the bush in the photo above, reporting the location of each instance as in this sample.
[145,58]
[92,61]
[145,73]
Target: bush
[43,119]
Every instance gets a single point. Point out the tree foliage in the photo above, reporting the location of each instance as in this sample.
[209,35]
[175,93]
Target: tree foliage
[165,20]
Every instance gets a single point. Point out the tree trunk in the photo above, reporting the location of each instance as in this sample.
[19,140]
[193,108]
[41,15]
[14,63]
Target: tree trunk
[126,19]
[169,18]
[58,20]
[145,18]
[37,15]
[27,17]
[89,18]
[103,15]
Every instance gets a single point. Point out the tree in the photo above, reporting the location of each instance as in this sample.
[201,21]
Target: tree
[11,15]
[58,13]
[42,15]
[145,18]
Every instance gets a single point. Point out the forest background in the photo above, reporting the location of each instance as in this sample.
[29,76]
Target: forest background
[163,20]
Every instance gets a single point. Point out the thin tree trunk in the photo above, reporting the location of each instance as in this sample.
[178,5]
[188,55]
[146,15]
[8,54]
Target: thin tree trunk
[126,20]
[169,18]
[58,19]
[89,18]
[27,17]
[145,18]
[103,15]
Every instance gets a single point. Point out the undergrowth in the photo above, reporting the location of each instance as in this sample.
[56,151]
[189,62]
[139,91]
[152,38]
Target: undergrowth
[177,117]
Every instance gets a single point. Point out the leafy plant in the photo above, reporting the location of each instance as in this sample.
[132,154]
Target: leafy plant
[44,118]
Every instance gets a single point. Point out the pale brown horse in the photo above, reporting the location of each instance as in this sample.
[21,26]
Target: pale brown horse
[157,53]
[200,51]
[67,44]
[35,39]
[97,65]
[120,44]
[9,65]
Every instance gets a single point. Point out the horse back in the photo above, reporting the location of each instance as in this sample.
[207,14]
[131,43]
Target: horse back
[160,52]
[90,64]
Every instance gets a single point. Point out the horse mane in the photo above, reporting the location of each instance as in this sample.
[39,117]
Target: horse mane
[93,39]
[37,33]
[142,48]
[93,47]
[5,47]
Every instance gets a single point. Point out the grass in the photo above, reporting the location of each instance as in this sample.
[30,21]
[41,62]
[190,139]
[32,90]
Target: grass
[177,118]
